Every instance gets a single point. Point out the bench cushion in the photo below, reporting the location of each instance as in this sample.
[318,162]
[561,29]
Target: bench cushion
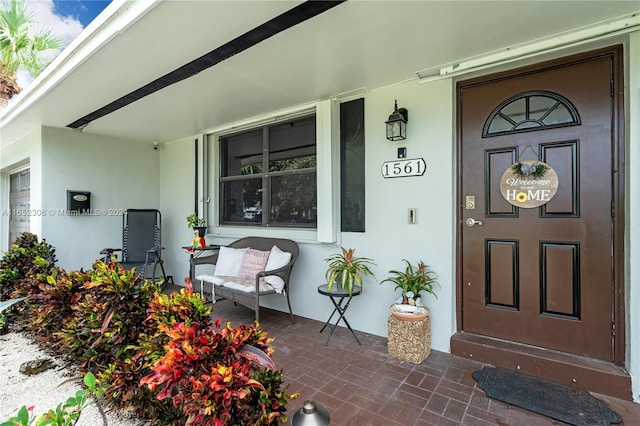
[212,279]
[246,286]
[229,261]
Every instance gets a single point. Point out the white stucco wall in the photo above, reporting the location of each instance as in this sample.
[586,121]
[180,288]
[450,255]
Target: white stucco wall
[16,154]
[177,160]
[632,240]
[119,174]
[388,237]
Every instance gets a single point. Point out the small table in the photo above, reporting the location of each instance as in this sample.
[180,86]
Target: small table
[197,251]
[342,295]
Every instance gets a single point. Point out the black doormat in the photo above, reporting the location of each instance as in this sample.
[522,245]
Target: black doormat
[559,402]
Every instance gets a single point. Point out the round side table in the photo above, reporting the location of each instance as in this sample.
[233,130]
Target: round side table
[340,299]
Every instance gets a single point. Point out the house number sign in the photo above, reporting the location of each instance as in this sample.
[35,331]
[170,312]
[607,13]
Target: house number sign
[404,168]
[529,184]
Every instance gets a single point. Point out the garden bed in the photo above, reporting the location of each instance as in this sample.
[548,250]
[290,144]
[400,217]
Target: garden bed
[162,357]
[44,390]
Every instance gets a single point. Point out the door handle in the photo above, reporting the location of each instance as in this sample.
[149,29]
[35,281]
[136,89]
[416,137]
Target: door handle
[472,222]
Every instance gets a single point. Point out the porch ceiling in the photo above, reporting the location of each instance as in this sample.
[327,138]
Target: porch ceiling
[356,46]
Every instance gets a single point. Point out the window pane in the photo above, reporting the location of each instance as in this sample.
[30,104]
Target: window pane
[15,183]
[289,194]
[242,200]
[539,105]
[242,154]
[499,124]
[559,115]
[25,181]
[527,125]
[352,156]
[293,199]
[516,110]
[292,145]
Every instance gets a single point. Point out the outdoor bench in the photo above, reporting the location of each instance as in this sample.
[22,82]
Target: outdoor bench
[249,268]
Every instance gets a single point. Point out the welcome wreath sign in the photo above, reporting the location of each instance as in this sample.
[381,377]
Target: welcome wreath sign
[529,184]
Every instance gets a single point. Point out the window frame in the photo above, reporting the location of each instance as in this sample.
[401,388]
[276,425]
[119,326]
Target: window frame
[327,174]
[266,176]
[526,96]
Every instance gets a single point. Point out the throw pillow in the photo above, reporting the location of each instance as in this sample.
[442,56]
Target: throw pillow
[277,259]
[229,261]
[253,262]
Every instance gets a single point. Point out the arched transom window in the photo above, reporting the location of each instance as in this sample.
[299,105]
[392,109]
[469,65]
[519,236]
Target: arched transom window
[531,111]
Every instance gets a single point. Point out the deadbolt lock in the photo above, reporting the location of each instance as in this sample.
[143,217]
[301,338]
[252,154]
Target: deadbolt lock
[470,202]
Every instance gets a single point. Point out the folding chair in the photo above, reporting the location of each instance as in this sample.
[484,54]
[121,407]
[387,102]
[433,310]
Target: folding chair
[141,243]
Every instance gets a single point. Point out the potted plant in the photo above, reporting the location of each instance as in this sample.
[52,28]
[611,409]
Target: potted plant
[347,269]
[197,223]
[413,281]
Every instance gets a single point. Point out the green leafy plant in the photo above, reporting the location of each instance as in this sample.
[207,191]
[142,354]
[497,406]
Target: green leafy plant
[122,378]
[64,414]
[107,316]
[60,292]
[20,267]
[22,44]
[204,374]
[413,281]
[26,257]
[194,221]
[347,269]
[529,170]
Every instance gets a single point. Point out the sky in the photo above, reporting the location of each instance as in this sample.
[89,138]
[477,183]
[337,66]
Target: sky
[65,18]
[83,11]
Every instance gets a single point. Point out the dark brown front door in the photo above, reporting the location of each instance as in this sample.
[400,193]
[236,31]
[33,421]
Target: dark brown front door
[545,275]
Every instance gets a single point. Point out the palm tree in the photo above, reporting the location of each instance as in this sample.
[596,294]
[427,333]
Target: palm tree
[20,47]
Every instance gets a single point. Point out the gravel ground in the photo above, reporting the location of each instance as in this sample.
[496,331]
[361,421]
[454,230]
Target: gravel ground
[44,391]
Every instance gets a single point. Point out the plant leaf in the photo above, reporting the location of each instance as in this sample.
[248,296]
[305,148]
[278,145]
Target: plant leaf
[8,303]
[90,381]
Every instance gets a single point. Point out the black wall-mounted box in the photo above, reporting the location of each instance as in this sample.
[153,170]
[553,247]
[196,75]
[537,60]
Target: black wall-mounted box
[79,201]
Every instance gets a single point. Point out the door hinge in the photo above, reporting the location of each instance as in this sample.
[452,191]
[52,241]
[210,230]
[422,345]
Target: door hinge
[611,87]
[613,209]
[613,328]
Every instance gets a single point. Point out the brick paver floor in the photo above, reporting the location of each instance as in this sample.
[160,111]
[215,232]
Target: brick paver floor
[363,385]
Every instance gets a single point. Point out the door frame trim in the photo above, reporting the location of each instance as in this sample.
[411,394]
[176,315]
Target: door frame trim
[615,52]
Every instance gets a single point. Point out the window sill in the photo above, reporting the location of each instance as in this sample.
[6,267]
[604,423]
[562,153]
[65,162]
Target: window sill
[234,232]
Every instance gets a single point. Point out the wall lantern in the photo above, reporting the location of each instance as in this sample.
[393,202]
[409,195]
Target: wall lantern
[397,124]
